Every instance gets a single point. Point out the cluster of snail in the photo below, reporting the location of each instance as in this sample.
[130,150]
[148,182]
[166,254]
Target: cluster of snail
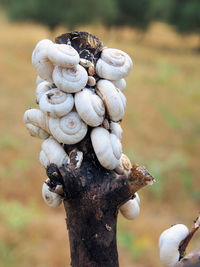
[73,94]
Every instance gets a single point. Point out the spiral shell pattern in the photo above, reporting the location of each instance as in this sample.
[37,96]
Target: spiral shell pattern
[70,80]
[114,64]
[69,129]
[63,55]
[93,112]
[75,92]
[56,103]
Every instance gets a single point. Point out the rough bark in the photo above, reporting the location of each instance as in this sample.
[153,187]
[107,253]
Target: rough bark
[92,196]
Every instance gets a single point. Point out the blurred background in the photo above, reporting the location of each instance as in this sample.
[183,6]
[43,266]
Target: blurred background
[161,126]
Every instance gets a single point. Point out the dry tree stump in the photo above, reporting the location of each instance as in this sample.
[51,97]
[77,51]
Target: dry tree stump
[91,188]
[92,196]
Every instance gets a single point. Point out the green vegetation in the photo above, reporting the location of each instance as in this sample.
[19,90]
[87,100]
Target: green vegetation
[183,14]
[54,13]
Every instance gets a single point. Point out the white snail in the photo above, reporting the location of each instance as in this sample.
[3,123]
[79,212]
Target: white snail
[169,243]
[63,55]
[70,80]
[112,99]
[40,60]
[42,88]
[116,129]
[69,129]
[123,98]
[120,84]
[90,107]
[78,157]
[56,103]
[53,152]
[107,147]
[85,63]
[114,64]
[36,131]
[36,118]
[91,81]
[131,209]
[124,166]
[50,198]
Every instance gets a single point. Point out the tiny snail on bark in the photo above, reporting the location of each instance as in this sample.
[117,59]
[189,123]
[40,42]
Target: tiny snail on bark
[42,88]
[90,107]
[50,198]
[69,129]
[112,99]
[70,80]
[53,153]
[63,55]
[114,64]
[38,119]
[56,103]
[131,209]
[40,60]
[107,147]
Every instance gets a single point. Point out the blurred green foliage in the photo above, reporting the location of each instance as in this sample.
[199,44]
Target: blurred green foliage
[15,215]
[183,14]
[54,13]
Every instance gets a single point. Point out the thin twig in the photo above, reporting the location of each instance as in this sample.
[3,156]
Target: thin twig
[185,242]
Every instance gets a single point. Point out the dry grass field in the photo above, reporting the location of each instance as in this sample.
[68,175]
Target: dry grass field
[161,131]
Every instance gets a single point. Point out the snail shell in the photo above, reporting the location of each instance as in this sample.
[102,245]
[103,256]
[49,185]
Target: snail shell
[42,88]
[131,209]
[40,60]
[116,129]
[70,80]
[124,166]
[114,64]
[169,243]
[112,99]
[85,63]
[69,129]
[56,103]
[107,147]
[91,81]
[53,152]
[37,118]
[63,55]
[123,98]
[36,131]
[120,84]
[90,107]
[50,198]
